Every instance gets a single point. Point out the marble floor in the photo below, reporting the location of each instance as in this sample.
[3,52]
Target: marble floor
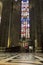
[21,59]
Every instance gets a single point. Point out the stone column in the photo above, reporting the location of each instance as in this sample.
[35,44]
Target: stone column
[41,16]
[5,22]
[15,24]
[37,24]
[32,22]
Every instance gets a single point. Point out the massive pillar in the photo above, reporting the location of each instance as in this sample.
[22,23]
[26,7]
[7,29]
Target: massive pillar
[36,22]
[5,22]
[10,23]
[41,16]
[38,25]
[15,24]
[32,22]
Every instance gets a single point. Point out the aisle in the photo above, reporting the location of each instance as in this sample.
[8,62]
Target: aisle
[21,59]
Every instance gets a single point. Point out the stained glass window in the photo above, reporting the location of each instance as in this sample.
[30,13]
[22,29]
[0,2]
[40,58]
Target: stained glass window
[25,26]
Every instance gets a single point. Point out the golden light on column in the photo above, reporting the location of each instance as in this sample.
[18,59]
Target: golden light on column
[9,41]
[9,28]
[0,10]
[9,38]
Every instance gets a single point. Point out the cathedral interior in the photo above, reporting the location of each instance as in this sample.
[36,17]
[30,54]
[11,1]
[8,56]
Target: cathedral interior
[12,19]
[21,32]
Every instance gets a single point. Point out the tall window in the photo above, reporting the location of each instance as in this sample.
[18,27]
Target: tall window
[25,26]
